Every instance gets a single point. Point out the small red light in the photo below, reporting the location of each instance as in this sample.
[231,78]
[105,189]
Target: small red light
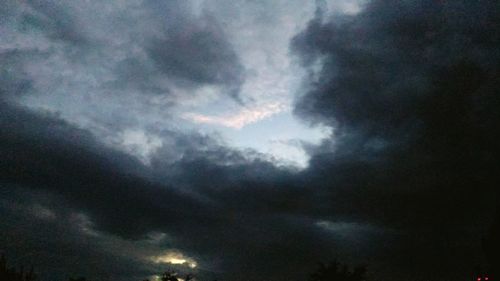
[479,279]
[486,278]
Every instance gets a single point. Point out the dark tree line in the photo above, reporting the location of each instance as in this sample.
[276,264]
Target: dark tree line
[333,271]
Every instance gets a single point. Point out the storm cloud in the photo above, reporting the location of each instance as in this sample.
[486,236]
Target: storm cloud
[411,88]
[94,163]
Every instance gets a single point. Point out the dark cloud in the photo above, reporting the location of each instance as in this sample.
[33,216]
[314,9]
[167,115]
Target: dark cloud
[411,89]
[198,52]
[66,156]
[214,205]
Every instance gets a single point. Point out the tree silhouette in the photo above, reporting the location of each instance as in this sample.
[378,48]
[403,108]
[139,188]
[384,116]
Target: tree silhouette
[171,275]
[336,271]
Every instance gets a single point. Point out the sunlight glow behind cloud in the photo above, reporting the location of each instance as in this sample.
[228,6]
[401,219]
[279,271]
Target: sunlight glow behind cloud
[172,257]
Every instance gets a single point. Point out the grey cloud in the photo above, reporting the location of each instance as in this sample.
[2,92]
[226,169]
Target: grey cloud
[158,48]
[55,20]
[198,52]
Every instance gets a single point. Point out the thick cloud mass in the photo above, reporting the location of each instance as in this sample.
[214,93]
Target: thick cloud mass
[406,183]
[412,88]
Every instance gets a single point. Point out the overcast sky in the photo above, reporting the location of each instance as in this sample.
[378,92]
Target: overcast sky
[245,139]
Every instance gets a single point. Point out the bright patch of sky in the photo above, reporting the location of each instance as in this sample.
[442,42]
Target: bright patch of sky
[261,33]
[172,257]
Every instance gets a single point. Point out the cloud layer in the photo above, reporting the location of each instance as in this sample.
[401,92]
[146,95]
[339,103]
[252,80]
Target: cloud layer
[406,183]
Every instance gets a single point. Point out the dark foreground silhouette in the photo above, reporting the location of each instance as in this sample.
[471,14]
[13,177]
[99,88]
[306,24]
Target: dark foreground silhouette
[334,271]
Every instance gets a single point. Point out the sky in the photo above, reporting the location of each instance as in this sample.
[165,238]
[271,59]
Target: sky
[247,139]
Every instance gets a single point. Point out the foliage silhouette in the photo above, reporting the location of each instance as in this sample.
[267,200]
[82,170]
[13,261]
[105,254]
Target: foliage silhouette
[171,275]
